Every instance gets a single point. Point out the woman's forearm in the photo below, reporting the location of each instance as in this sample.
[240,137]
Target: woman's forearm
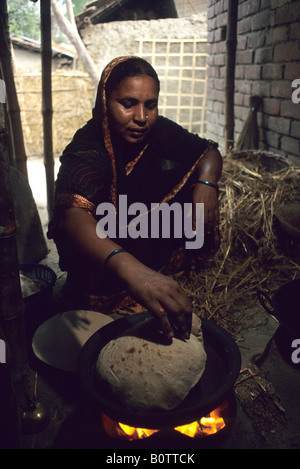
[80,229]
[210,166]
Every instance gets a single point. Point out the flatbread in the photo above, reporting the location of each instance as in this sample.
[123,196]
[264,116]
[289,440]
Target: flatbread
[145,375]
[58,341]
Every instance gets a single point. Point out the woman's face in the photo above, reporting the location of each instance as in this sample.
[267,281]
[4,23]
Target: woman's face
[132,108]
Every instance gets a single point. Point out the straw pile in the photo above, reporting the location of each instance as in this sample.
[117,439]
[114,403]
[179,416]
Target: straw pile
[250,256]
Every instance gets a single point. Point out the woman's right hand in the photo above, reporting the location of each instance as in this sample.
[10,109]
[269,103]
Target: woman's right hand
[161,295]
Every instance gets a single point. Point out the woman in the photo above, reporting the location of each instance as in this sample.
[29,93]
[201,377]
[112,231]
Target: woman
[127,149]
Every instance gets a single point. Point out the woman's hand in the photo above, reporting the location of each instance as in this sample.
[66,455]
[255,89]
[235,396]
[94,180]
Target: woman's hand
[161,295]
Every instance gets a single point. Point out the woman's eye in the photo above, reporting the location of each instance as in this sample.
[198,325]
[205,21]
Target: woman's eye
[127,104]
[151,105]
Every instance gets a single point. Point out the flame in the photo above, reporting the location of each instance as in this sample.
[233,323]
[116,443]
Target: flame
[136,433]
[208,425]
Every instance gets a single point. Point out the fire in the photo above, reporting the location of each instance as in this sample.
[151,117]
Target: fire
[136,433]
[208,425]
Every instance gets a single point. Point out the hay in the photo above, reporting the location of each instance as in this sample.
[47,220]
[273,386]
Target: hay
[250,256]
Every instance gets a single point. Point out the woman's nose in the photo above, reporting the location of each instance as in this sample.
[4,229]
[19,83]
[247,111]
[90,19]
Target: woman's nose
[140,115]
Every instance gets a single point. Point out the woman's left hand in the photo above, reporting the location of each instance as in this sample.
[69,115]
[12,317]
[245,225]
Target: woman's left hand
[208,195]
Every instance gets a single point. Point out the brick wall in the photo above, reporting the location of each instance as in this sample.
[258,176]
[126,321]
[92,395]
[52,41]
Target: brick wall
[267,62]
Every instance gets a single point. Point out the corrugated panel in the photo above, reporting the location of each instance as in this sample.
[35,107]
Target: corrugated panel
[190,7]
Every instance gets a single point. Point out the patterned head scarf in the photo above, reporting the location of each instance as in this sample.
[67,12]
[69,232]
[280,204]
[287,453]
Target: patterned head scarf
[101,118]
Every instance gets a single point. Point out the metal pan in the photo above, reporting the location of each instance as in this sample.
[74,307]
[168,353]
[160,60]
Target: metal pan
[222,369]
[285,306]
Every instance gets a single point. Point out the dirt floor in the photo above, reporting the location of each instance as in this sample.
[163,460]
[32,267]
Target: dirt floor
[267,390]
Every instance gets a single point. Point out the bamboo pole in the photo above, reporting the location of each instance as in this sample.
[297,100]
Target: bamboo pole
[231,40]
[47,110]
[14,115]
[12,320]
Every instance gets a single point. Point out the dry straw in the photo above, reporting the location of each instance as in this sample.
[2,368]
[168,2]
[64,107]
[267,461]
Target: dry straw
[251,255]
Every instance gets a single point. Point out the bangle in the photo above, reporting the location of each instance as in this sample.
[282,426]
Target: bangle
[209,184]
[116,251]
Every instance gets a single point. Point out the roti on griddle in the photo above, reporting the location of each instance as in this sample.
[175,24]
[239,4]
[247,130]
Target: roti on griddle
[146,375]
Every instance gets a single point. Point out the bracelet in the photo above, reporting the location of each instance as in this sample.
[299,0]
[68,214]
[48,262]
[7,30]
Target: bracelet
[116,251]
[209,184]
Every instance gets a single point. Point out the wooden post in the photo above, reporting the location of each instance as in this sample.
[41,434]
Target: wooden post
[13,108]
[11,302]
[12,321]
[47,111]
[231,40]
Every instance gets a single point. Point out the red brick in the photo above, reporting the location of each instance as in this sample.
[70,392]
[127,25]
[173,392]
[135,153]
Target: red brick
[211,24]
[219,35]
[243,86]
[279,124]
[239,99]
[288,13]
[241,112]
[244,26]
[271,106]
[256,39]
[272,139]
[252,72]
[241,43]
[281,89]
[262,20]
[245,57]
[290,109]
[240,71]
[277,34]
[219,7]
[286,52]
[261,88]
[295,130]
[290,145]
[272,71]
[219,84]
[248,8]
[219,59]
[218,107]
[210,62]
[211,12]
[263,55]
[294,31]
[222,20]
[292,71]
